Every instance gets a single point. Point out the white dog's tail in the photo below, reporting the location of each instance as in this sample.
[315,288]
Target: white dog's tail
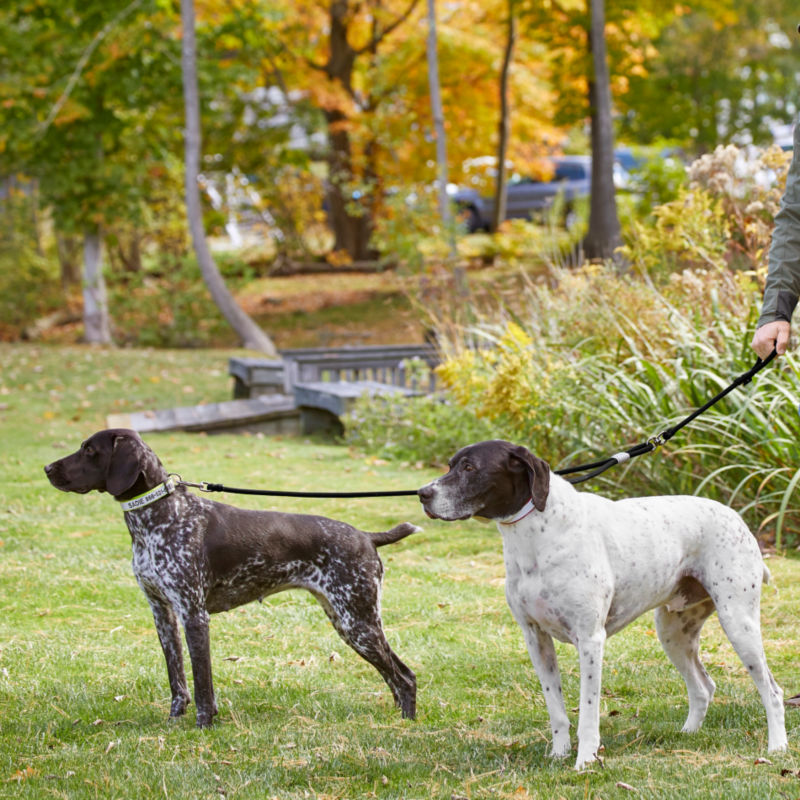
[767,575]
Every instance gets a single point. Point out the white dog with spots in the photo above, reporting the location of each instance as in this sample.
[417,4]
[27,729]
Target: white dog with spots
[580,567]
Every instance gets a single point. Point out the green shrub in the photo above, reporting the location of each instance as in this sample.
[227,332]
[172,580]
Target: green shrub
[29,289]
[30,285]
[722,217]
[420,429]
[603,362]
[168,305]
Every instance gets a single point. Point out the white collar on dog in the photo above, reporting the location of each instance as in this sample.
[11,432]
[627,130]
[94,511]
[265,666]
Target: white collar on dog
[148,498]
[520,515]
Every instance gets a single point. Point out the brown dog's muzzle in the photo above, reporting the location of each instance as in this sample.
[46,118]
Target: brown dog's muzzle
[56,474]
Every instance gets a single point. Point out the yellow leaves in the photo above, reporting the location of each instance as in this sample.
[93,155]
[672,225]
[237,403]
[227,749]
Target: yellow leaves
[515,337]
[511,379]
[71,112]
[339,258]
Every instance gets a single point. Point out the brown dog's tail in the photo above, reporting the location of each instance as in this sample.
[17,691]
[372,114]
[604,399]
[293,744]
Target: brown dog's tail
[394,535]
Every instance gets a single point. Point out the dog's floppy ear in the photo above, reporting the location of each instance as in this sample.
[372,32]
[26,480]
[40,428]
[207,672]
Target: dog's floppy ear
[538,474]
[124,466]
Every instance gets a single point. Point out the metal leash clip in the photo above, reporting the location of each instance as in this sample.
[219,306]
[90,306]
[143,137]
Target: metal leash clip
[203,486]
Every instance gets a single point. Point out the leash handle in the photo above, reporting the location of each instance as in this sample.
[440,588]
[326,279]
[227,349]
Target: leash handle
[596,468]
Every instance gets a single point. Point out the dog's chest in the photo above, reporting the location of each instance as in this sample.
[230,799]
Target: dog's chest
[534,597]
[548,583]
[164,555]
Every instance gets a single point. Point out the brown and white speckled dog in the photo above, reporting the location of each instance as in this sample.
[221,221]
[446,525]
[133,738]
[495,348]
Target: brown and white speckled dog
[194,557]
[580,567]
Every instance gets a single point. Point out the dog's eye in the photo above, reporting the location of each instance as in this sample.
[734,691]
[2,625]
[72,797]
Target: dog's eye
[468,467]
[88,450]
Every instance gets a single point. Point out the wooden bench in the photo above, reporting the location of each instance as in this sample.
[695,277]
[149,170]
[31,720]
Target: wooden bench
[253,377]
[386,364]
[307,390]
[322,404]
[273,415]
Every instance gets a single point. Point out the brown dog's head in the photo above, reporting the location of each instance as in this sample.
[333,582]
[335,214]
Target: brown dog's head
[116,461]
[493,479]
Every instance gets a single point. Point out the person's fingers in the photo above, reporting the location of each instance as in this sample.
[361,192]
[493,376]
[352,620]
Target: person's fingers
[782,341]
[772,336]
[759,344]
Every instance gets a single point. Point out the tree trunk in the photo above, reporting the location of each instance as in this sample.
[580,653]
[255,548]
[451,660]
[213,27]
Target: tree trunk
[604,235]
[349,216]
[68,250]
[504,127]
[438,117]
[250,334]
[97,329]
[352,198]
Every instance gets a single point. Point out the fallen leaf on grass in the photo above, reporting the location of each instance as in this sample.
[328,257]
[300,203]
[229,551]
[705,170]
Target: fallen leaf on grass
[22,775]
[762,761]
[626,786]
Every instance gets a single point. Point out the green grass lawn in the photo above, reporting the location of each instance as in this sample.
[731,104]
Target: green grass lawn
[83,688]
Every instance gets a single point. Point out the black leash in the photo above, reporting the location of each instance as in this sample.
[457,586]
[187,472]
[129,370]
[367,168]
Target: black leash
[598,467]
[593,470]
[218,487]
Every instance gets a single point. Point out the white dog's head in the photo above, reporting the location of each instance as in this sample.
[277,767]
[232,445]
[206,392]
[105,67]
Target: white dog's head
[493,479]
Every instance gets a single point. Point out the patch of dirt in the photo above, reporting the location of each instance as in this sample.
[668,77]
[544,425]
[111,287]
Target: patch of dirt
[334,309]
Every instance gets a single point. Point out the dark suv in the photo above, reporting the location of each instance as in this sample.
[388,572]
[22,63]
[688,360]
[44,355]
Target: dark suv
[572,179]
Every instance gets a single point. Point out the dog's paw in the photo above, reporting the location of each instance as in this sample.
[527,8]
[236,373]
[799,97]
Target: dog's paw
[587,763]
[588,757]
[560,749]
[179,705]
[778,746]
[204,720]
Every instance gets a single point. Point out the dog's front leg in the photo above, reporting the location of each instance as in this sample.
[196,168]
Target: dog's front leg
[195,625]
[590,658]
[170,637]
[545,663]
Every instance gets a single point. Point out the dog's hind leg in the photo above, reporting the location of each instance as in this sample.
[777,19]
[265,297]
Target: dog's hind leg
[357,620]
[742,626]
[679,634]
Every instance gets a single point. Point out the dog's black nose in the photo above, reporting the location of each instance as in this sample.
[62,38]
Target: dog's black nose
[48,469]
[425,493]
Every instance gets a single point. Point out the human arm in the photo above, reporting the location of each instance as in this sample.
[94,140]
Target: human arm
[782,287]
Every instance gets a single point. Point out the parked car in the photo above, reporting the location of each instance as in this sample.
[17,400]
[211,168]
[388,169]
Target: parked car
[526,197]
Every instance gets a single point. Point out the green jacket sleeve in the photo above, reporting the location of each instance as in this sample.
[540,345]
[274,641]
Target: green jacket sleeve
[783,276]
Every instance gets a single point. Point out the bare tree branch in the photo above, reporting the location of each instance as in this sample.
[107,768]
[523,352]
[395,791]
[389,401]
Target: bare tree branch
[378,37]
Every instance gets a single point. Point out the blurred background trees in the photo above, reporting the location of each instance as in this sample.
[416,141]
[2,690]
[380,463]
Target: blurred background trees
[319,141]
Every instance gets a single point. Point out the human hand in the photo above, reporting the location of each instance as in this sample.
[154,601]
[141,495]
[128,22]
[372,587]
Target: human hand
[772,336]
